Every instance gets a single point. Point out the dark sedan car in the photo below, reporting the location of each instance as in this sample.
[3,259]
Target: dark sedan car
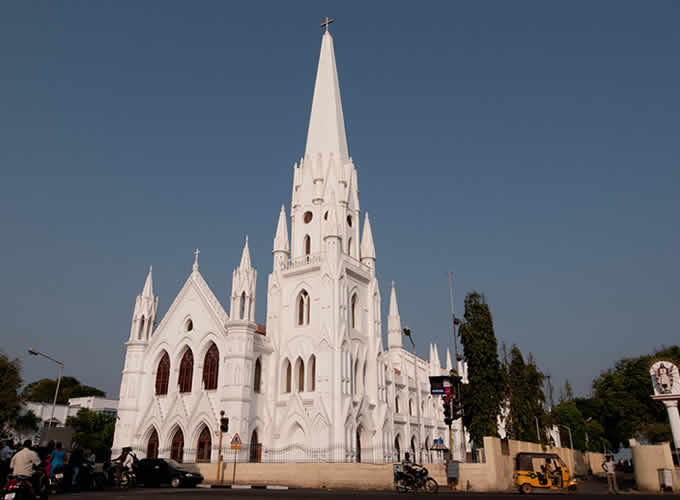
[158,471]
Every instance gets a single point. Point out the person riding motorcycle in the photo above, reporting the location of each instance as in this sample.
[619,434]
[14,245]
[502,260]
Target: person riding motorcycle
[23,464]
[124,462]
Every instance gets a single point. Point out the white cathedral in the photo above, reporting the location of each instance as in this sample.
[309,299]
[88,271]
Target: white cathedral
[316,383]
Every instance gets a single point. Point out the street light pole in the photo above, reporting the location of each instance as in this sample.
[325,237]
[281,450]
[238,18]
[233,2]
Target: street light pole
[61,372]
[407,332]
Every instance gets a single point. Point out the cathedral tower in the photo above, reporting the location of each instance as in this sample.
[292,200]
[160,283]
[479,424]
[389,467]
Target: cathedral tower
[324,304]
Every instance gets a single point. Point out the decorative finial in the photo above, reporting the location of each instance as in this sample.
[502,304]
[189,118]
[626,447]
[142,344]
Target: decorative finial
[196,259]
[246,239]
[326,23]
[392,283]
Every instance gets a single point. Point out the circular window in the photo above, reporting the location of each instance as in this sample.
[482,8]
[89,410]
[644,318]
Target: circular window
[308,217]
[349,220]
[189,325]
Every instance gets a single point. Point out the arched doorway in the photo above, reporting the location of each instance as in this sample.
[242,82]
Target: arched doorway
[397,449]
[177,446]
[152,445]
[255,448]
[204,447]
[358,442]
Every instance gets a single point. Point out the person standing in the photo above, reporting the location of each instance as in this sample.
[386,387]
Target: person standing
[610,469]
[5,456]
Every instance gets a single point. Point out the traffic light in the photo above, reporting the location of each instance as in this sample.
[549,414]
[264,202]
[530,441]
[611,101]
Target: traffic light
[456,409]
[446,400]
[224,424]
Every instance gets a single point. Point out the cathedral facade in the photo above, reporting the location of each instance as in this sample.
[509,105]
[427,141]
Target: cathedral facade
[316,382]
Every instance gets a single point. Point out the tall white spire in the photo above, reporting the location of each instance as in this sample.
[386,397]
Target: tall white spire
[367,247]
[449,365]
[245,256]
[394,321]
[147,292]
[281,238]
[326,123]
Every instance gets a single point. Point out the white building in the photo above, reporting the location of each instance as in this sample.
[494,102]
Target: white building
[61,412]
[317,383]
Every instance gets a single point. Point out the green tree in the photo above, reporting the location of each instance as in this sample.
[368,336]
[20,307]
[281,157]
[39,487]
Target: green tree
[10,402]
[527,400]
[483,395]
[568,414]
[91,429]
[623,399]
[70,387]
[26,423]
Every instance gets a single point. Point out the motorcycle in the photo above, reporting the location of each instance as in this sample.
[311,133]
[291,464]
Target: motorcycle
[410,478]
[58,482]
[88,478]
[21,487]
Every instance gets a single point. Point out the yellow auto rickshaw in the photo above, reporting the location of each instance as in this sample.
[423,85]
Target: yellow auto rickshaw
[542,470]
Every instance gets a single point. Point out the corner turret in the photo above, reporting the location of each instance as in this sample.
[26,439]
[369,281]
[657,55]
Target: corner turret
[393,322]
[367,248]
[243,285]
[144,315]
[281,249]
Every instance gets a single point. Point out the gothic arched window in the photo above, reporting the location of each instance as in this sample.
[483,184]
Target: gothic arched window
[177,446]
[152,445]
[257,381]
[355,311]
[186,371]
[288,376]
[211,366]
[308,245]
[410,407]
[141,329]
[163,375]
[242,309]
[204,447]
[311,368]
[300,375]
[303,308]
[396,404]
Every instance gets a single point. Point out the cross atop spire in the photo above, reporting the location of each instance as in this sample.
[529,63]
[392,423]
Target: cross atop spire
[196,252]
[326,23]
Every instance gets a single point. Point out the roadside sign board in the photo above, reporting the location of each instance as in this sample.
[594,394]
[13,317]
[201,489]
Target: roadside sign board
[440,385]
[236,442]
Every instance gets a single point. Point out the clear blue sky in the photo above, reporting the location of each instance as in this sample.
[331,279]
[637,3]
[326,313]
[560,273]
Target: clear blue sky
[530,147]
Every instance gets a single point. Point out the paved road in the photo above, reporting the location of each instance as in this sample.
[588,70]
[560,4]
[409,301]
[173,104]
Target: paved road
[297,494]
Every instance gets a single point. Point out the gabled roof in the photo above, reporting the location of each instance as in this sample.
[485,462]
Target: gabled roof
[213,305]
